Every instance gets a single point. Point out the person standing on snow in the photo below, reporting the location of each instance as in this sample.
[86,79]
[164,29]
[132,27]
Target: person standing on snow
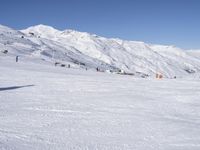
[17,58]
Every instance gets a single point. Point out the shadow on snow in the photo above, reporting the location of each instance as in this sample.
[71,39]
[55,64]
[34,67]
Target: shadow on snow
[14,87]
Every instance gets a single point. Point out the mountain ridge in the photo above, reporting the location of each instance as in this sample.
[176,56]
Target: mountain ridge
[91,51]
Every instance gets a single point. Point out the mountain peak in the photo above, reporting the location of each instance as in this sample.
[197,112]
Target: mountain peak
[42,30]
[42,27]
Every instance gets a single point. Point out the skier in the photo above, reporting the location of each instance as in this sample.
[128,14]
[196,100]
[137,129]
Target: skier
[97,69]
[17,58]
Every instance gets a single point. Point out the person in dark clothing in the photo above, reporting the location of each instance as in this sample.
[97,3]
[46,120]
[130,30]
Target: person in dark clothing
[17,58]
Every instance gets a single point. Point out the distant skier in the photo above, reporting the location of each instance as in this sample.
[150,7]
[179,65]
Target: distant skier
[69,66]
[17,58]
[56,63]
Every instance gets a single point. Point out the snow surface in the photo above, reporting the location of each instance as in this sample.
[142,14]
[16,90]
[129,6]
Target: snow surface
[45,107]
[194,53]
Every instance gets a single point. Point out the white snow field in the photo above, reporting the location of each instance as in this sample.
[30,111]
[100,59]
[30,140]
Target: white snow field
[43,107]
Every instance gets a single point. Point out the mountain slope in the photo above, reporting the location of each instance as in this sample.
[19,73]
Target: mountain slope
[90,51]
[194,53]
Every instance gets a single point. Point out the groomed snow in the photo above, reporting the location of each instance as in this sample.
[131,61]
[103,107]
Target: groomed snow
[43,107]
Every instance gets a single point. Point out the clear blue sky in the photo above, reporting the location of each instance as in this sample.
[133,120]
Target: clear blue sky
[174,22]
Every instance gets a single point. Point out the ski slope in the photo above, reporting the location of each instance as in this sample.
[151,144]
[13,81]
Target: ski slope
[45,107]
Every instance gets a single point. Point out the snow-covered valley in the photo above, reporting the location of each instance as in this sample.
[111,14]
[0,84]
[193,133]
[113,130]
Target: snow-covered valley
[45,107]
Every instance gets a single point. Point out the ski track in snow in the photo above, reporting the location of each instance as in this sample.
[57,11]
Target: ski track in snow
[56,108]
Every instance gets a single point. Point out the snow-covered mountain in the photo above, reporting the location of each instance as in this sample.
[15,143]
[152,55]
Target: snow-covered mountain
[194,53]
[90,51]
